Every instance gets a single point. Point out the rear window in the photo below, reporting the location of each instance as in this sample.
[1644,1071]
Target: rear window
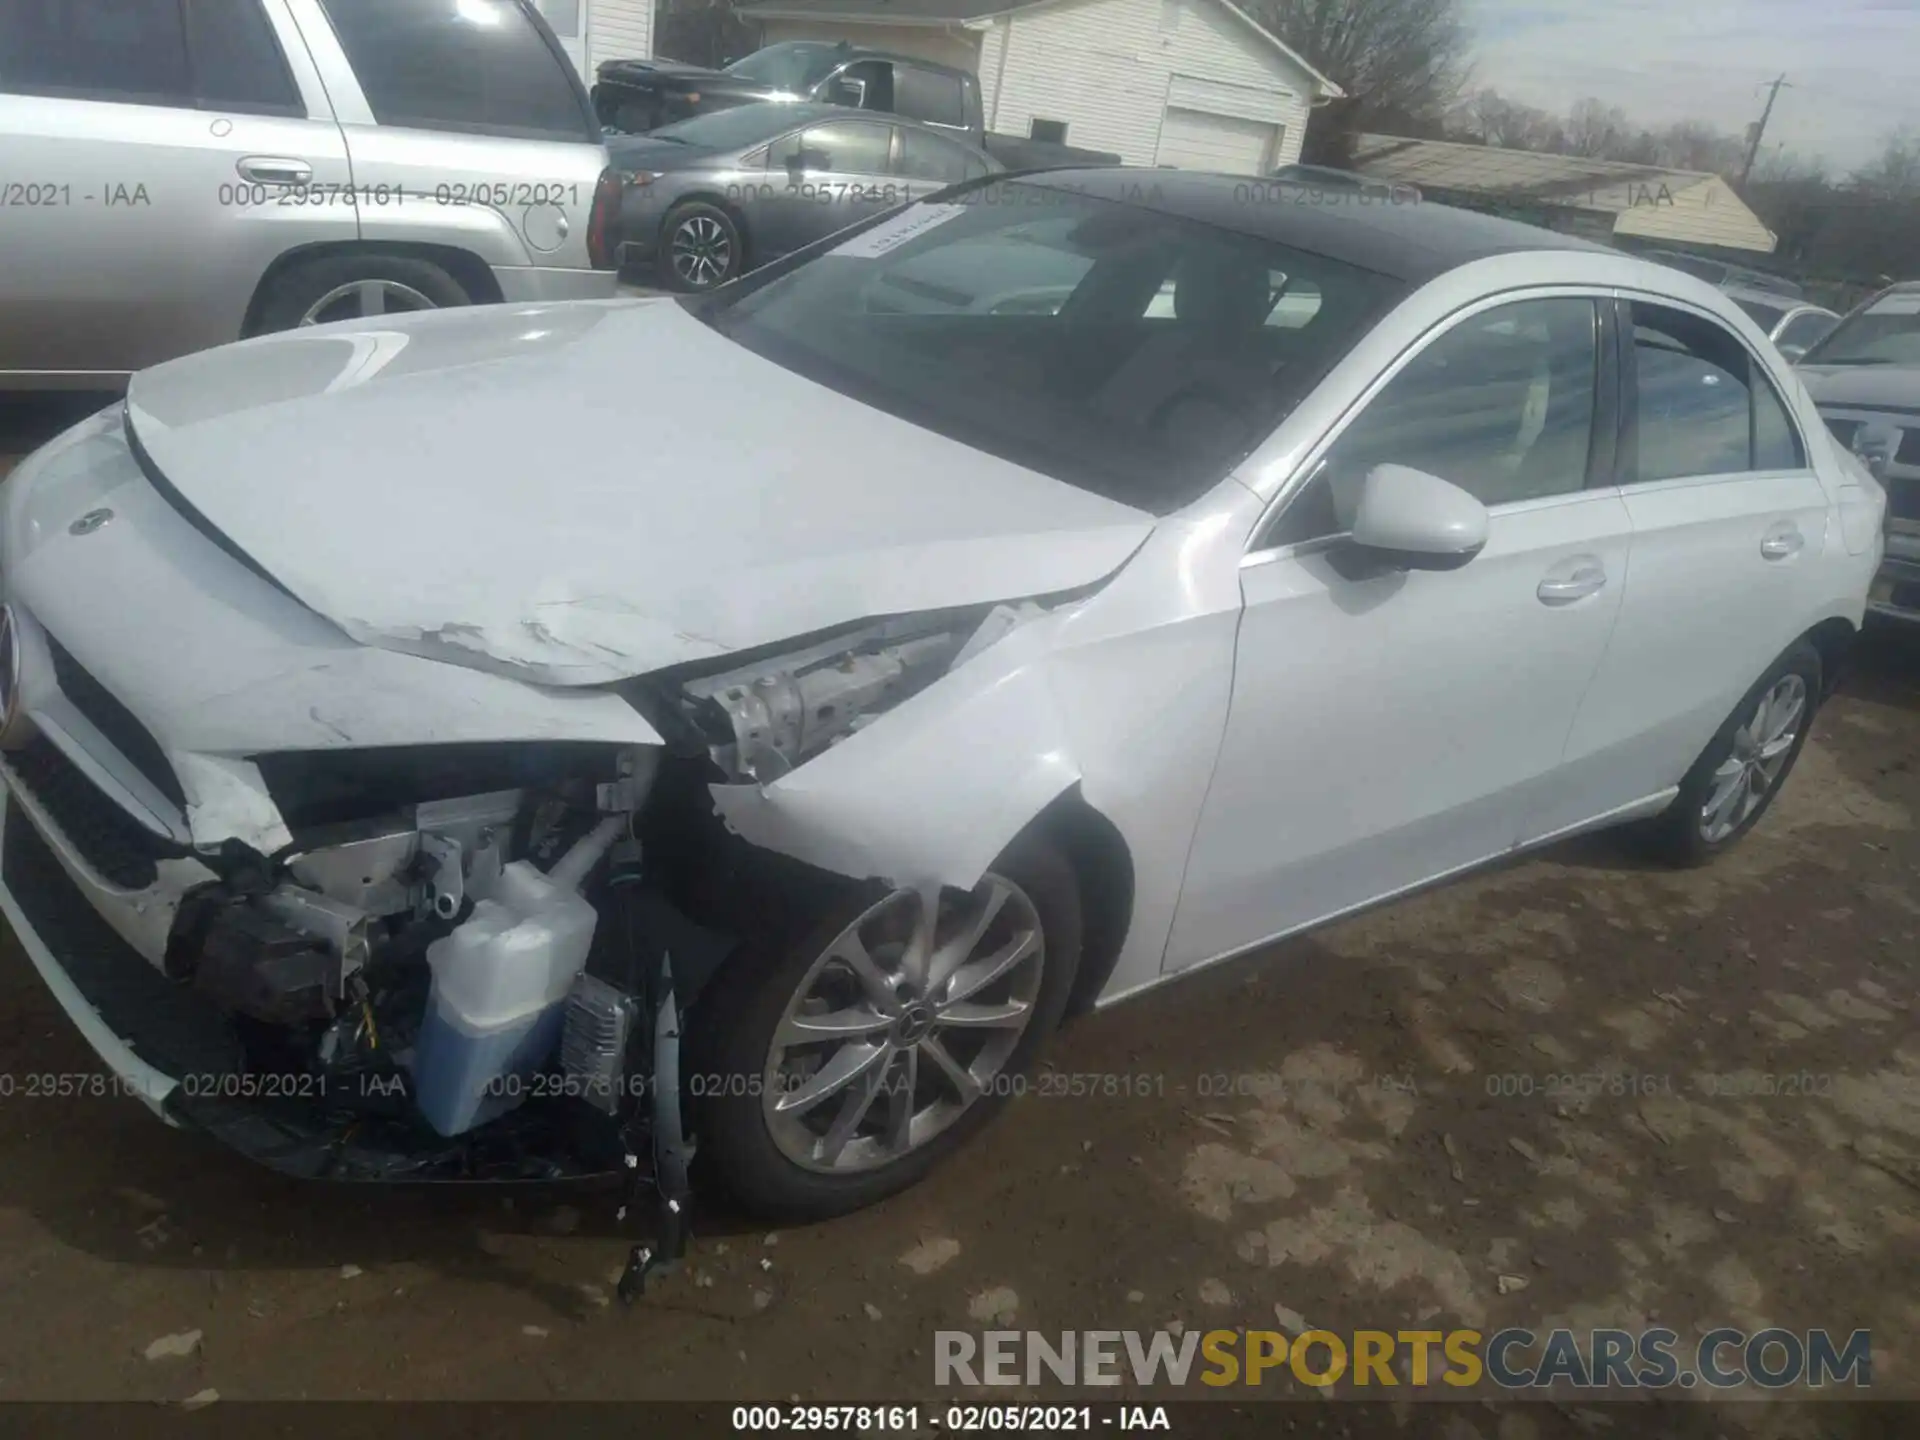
[482,67]
[1764,315]
[1110,345]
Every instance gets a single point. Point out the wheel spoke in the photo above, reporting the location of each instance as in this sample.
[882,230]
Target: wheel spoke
[1727,783]
[903,1080]
[917,960]
[951,956]
[956,1075]
[854,1106]
[373,298]
[851,951]
[972,979]
[834,1025]
[848,1064]
[1778,746]
[1003,1016]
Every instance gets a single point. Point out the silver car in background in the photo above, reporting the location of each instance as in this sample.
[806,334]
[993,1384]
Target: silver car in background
[182,173]
[714,196]
[1794,326]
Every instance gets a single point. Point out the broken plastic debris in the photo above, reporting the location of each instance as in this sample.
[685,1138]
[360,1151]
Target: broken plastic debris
[929,1255]
[174,1347]
[200,1399]
[349,1272]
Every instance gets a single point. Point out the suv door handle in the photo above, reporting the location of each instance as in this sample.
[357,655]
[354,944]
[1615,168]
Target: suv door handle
[1782,541]
[1574,580]
[274,170]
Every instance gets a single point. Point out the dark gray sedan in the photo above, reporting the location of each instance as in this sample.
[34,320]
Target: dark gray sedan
[715,196]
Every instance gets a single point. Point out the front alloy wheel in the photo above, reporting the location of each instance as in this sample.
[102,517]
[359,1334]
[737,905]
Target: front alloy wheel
[854,1044]
[903,1023]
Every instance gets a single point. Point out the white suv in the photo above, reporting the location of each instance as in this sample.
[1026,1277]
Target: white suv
[181,173]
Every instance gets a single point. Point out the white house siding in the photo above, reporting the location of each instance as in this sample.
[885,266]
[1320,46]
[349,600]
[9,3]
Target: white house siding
[944,45]
[618,30]
[1107,67]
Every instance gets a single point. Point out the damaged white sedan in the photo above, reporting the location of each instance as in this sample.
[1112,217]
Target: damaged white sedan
[522,742]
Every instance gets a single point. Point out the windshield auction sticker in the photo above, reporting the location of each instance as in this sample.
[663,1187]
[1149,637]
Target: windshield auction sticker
[890,235]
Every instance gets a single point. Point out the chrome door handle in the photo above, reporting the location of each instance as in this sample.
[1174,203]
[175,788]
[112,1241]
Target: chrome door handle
[1583,581]
[1781,542]
[274,170]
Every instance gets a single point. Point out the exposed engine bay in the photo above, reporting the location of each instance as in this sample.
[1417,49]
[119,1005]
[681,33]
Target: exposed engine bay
[489,979]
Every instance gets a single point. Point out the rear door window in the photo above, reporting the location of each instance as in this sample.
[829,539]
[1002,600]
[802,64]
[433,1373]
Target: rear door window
[1703,407]
[480,67]
[237,64]
[133,51]
[928,157]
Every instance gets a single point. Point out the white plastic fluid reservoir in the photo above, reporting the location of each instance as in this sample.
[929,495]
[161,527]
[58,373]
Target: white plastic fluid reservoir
[500,983]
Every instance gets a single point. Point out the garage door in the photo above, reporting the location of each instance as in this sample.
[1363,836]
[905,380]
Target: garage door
[1193,140]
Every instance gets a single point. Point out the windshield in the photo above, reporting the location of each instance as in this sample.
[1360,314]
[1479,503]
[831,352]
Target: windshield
[729,129]
[1764,315]
[1885,331]
[793,66]
[1129,352]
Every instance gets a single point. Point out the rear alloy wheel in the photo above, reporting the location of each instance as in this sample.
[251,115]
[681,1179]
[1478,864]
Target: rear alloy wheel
[1742,769]
[879,1045]
[355,286]
[699,247]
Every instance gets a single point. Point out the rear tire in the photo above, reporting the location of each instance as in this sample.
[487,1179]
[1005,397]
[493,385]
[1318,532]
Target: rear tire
[345,287]
[700,247]
[781,1165]
[1737,776]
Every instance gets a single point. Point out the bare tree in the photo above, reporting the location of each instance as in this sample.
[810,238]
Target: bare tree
[1895,173]
[1401,62]
[1594,128]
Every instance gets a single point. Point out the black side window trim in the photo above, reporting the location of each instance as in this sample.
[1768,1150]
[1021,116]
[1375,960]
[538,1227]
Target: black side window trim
[1757,373]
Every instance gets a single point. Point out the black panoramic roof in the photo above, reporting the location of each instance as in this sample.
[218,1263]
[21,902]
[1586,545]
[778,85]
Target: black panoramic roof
[1411,241]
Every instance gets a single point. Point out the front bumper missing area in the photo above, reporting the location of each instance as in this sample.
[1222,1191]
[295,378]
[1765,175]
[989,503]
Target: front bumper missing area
[168,1047]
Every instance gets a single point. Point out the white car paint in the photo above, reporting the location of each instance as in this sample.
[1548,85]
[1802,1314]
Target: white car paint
[1274,744]
[584,543]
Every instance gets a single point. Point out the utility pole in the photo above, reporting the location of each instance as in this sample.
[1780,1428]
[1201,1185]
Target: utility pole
[1760,128]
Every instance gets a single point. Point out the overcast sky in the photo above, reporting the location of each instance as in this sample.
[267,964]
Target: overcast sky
[1853,65]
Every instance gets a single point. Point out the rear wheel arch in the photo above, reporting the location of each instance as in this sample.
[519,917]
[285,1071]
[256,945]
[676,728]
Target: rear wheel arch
[1833,638]
[720,202]
[468,270]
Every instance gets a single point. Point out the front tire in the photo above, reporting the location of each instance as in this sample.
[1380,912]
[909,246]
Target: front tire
[839,1069]
[700,247]
[1737,776]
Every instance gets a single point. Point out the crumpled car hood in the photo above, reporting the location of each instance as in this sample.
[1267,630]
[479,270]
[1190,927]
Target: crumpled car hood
[575,494]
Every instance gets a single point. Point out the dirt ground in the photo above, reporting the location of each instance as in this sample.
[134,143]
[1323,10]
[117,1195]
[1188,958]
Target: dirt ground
[1370,1127]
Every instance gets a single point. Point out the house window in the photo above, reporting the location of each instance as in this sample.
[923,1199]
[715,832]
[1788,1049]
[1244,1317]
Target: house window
[1054,132]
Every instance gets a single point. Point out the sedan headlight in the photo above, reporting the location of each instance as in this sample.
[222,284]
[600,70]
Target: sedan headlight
[765,718]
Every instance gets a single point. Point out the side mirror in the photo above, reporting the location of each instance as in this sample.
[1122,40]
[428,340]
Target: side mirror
[1793,353]
[1416,521]
[851,93]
